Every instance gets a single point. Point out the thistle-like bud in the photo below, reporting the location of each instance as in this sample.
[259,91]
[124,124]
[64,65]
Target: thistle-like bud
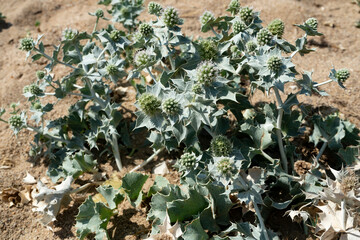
[15,121]
[111,69]
[149,104]
[208,49]
[142,58]
[99,13]
[197,89]
[26,44]
[301,167]
[234,7]
[171,106]
[69,34]
[246,14]
[264,36]
[170,17]
[40,74]
[155,8]
[221,146]
[33,89]
[206,17]
[115,35]
[349,183]
[251,46]
[312,22]
[276,27]
[206,73]
[188,160]
[225,166]
[145,29]
[239,27]
[274,63]
[342,75]
[37,106]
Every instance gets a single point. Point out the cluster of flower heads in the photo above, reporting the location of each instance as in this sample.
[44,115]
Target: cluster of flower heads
[155,8]
[143,58]
[246,15]
[145,29]
[34,89]
[15,121]
[312,23]
[264,36]
[115,35]
[188,160]
[208,49]
[69,34]
[239,26]
[149,104]
[276,27]
[225,166]
[26,44]
[342,75]
[111,69]
[170,106]
[206,73]
[274,63]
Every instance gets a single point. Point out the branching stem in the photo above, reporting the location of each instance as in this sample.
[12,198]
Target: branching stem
[148,160]
[278,129]
[322,149]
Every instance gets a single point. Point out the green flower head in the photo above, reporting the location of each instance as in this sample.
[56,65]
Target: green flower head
[69,34]
[206,17]
[99,13]
[312,23]
[251,46]
[115,35]
[246,15]
[264,36]
[274,63]
[143,58]
[206,73]
[234,7]
[238,27]
[221,146]
[15,121]
[145,29]
[40,74]
[33,89]
[170,17]
[155,8]
[188,160]
[111,69]
[27,44]
[208,49]
[170,106]
[225,166]
[37,106]
[276,27]
[342,75]
[149,104]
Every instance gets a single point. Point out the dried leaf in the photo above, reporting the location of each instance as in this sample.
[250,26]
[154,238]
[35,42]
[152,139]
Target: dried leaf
[161,169]
[29,179]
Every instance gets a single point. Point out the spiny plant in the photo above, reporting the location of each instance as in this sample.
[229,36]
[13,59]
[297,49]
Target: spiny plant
[193,97]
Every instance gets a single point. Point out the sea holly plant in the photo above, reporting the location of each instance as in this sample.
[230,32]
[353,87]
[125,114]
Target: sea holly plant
[237,160]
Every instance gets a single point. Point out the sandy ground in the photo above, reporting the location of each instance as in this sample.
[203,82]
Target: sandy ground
[340,46]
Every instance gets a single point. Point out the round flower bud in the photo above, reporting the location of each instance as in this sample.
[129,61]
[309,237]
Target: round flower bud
[206,17]
[155,8]
[208,49]
[342,75]
[349,183]
[234,7]
[27,44]
[111,69]
[239,27]
[142,58]
[264,36]
[246,14]
[197,89]
[170,17]
[251,46]
[276,27]
[235,51]
[99,13]
[40,74]
[206,73]
[69,34]
[145,29]
[26,89]
[188,160]
[34,89]
[149,104]
[15,121]
[115,35]
[221,146]
[274,63]
[37,106]
[301,167]
[313,23]
[13,105]
[171,106]
[225,166]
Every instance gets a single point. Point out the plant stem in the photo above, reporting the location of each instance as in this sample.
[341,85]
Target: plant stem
[322,149]
[33,129]
[148,160]
[323,83]
[343,215]
[115,148]
[261,220]
[81,188]
[152,76]
[278,130]
[267,156]
[52,59]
